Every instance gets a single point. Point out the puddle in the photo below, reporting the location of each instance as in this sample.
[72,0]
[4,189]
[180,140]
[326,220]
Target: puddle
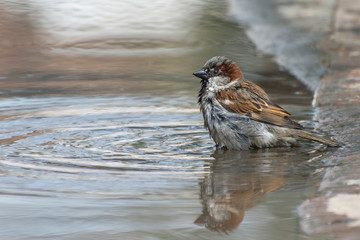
[101,141]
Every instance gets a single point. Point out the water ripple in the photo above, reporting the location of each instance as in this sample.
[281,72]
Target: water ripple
[106,141]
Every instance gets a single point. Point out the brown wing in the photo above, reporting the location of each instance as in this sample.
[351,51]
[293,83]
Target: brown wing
[256,105]
[252,87]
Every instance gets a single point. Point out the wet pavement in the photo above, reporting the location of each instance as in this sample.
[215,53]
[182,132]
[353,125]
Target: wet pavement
[334,211]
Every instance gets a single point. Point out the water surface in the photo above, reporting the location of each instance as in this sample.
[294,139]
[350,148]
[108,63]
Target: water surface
[101,136]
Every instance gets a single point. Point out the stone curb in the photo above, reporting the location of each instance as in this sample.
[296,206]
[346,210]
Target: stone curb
[336,210]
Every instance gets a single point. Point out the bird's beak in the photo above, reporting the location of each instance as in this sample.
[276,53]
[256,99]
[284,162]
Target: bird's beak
[201,74]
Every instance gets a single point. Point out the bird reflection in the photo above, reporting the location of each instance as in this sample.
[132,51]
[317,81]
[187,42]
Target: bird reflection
[235,183]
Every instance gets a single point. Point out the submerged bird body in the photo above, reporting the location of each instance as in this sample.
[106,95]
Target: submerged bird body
[239,114]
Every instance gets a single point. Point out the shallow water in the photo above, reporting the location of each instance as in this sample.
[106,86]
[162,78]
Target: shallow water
[101,136]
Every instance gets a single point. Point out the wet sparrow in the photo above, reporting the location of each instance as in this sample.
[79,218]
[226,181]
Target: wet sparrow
[239,114]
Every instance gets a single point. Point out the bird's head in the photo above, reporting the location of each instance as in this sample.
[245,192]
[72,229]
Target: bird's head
[219,67]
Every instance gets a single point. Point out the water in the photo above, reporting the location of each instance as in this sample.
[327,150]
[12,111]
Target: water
[101,136]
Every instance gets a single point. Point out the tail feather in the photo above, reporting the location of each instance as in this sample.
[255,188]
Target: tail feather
[312,137]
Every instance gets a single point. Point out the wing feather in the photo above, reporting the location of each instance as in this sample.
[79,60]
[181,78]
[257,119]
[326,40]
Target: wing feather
[250,100]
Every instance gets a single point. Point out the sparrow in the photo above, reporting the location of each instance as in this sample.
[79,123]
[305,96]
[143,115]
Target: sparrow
[239,114]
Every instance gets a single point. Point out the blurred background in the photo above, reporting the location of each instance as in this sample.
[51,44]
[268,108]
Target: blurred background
[101,135]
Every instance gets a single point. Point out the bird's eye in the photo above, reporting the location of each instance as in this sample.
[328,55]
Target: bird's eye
[216,71]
